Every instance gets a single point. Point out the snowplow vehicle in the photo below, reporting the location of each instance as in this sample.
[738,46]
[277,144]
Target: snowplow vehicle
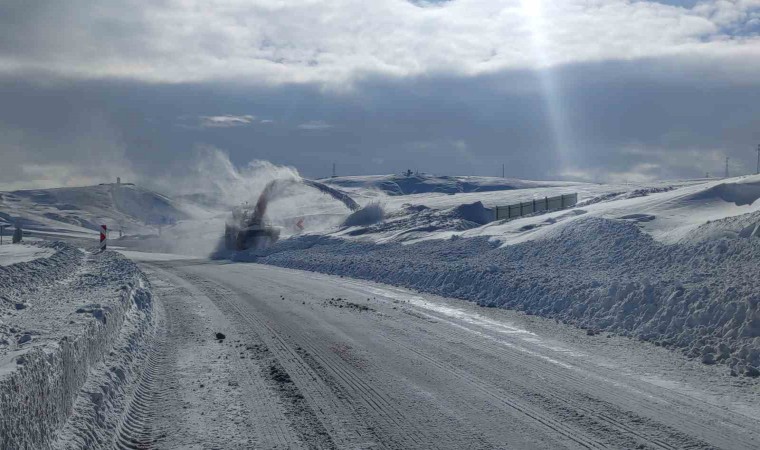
[245,231]
[248,230]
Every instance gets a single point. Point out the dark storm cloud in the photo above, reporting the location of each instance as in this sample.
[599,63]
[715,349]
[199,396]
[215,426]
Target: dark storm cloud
[56,136]
[627,121]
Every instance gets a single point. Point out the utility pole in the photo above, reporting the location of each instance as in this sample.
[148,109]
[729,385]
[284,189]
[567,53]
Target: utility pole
[727,166]
[758,159]
[333,175]
[758,155]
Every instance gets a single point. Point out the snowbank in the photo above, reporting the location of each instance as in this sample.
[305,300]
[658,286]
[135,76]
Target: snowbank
[26,277]
[61,317]
[475,212]
[740,193]
[597,273]
[369,215]
[415,222]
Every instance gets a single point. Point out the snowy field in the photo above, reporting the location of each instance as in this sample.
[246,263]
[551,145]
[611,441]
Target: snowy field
[83,343]
[13,254]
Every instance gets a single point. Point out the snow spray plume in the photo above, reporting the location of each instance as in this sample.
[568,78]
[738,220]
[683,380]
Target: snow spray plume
[275,187]
[212,177]
[276,194]
[213,185]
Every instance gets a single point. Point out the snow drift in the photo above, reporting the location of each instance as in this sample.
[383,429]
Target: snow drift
[740,193]
[369,215]
[414,222]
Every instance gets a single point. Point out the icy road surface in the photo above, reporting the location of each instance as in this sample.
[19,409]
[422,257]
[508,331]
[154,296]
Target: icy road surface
[314,361]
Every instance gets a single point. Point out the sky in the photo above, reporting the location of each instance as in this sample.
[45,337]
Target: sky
[589,90]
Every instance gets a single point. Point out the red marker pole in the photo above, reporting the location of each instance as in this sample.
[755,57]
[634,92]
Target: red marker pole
[103,230]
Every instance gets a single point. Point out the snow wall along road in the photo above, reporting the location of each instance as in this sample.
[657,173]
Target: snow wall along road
[71,352]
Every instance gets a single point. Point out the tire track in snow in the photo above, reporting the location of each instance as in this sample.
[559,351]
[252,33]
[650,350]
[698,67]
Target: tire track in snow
[264,423]
[550,393]
[609,422]
[140,425]
[332,413]
[372,403]
[650,404]
[601,429]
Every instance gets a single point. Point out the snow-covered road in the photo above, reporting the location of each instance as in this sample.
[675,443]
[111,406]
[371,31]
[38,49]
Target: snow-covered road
[315,361]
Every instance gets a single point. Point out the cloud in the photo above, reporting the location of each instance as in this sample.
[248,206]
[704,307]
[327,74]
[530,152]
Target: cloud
[208,170]
[454,149]
[315,125]
[336,43]
[639,173]
[33,161]
[681,119]
[226,121]
[52,137]
[639,164]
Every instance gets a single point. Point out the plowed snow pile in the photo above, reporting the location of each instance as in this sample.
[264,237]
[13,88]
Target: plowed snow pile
[677,267]
[60,317]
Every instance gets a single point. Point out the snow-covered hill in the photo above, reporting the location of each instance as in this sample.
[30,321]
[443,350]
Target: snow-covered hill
[422,183]
[436,215]
[81,210]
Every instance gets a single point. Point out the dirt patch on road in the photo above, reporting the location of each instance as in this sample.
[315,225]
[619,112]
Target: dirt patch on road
[338,302]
